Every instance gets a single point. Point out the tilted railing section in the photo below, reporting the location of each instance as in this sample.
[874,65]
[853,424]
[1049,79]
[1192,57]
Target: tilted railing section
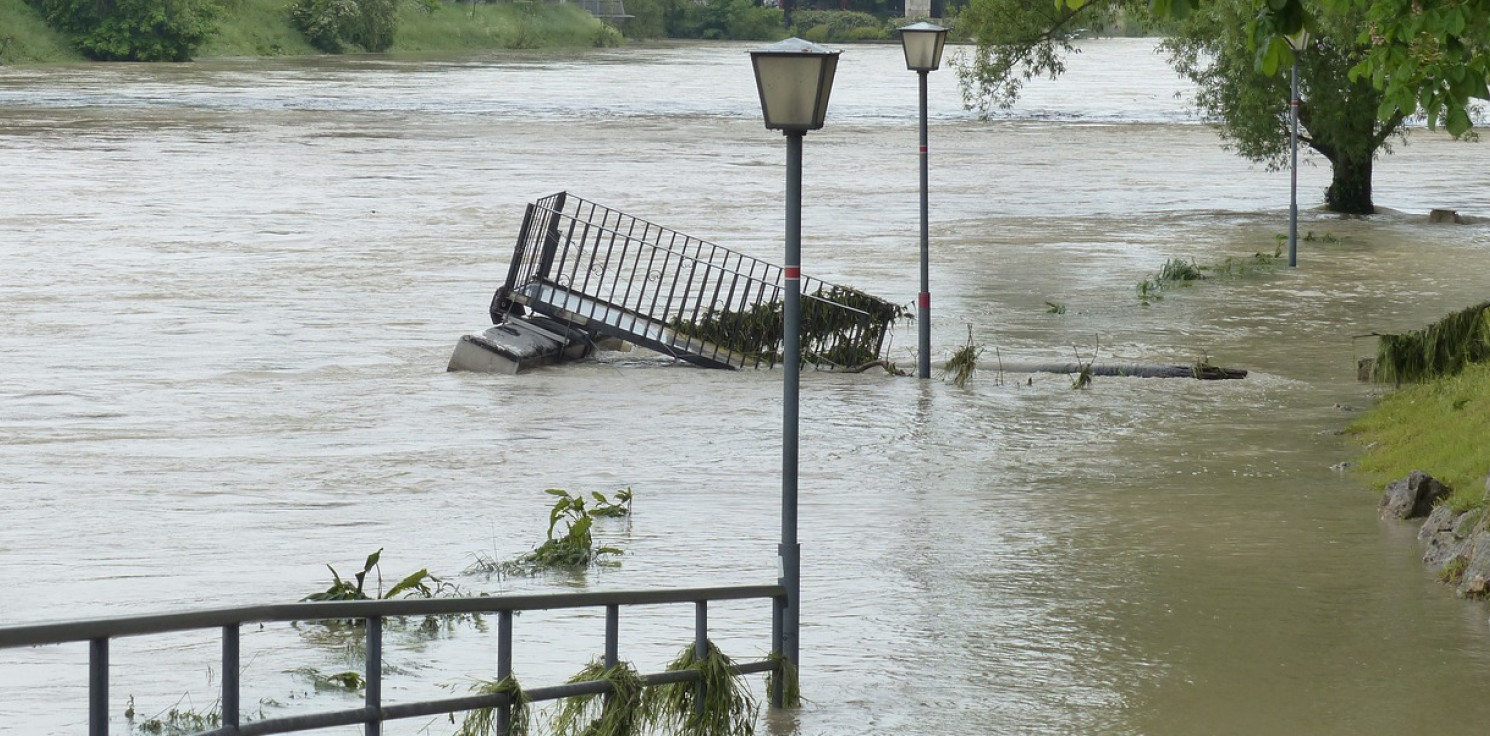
[374,712]
[615,274]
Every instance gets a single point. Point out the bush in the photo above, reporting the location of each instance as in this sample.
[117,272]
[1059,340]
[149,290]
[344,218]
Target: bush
[726,20]
[336,26]
[133,30]
[821,26]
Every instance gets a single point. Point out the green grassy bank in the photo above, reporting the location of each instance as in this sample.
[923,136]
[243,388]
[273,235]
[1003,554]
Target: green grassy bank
[1441,427]
[26,39]
[263,28]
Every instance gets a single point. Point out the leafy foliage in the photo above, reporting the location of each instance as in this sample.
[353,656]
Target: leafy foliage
[570,548]
[623,712]
[839,327]
[738,20]
[726,707]
[352,590]
[483,721]
[133,30]
[1441,349]
[964,362]
[336,26]
[1341,115]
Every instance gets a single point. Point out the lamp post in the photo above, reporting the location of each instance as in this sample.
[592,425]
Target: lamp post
[1298,42]
[923,43]
[794,78]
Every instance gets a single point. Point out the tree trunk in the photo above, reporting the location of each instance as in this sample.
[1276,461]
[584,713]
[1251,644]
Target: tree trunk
[1349,192]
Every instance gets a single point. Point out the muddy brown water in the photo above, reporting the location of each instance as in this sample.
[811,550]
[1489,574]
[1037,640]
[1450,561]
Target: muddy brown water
[230,289]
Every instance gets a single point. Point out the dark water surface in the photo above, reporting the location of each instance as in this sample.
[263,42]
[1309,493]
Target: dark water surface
[230,289]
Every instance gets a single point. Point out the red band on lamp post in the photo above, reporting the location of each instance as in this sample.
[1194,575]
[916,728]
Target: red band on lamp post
[792,272]
[925,301]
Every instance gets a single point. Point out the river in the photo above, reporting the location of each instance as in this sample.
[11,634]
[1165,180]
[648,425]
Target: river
[230,289]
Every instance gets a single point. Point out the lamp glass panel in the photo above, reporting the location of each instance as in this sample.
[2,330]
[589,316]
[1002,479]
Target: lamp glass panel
[794,89]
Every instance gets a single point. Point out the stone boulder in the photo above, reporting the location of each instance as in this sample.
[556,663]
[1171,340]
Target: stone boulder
[1475,580]
[1412,496]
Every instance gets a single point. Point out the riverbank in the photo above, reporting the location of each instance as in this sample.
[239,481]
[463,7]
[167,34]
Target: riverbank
[264,28]
[1438,427]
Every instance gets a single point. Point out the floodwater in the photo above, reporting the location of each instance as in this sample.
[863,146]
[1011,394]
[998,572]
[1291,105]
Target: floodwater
[230,289]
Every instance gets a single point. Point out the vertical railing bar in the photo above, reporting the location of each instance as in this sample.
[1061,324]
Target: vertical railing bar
[647,278]
[564,256]
[700,651]
[230,677]
[778,683]
[635,262]
[98,687]
[504,668]
[373,726]
[612,635]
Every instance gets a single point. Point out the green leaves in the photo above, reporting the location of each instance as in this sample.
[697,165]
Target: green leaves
[133,30]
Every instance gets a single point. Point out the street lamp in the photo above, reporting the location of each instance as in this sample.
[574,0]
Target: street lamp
[1298,42]
[923,43]
[794,78]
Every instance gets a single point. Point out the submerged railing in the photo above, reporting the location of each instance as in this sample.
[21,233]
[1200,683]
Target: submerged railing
[99,632]
[620,275]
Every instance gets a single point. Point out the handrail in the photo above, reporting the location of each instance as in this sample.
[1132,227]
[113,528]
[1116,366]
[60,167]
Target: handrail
[720,299]
[99,631]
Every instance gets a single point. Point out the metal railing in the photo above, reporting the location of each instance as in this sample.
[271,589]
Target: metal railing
[620,275]
[99,632]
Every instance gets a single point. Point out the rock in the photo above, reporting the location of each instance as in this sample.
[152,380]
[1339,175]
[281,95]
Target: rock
[1412,496]
[1439,522]
[1467,524]
[1343,466]
[1442,549]
[1445,216]
[1476,580]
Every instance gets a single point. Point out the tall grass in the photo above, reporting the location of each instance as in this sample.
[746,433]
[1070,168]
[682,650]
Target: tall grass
[256,28]
[26,39]
[517,25]
[1438,427]
[1441,349]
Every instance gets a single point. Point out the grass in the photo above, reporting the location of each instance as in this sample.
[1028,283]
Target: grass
[26,39]
[964,362]
[256,28]
[1440,349]
[727,708]
[483,721]
[516,25]
[624,712]
[1437,427]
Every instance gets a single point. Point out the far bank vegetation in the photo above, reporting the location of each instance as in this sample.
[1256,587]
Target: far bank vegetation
[48,31]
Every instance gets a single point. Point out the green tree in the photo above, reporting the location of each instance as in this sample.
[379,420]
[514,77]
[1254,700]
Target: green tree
[133,30]
[335,26]
[1231,49]
[1339,115]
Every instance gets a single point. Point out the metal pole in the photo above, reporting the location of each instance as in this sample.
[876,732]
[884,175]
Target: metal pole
[923,303]
[504,668]
[230,682]
[373,697]
[790,550]
[98,687]
[1293,193]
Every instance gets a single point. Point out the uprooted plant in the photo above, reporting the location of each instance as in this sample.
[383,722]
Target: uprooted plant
[625,711]
[719,705]
[571,542]
[484,721]
[964,362]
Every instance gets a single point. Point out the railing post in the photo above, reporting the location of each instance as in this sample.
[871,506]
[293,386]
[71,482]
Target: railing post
[98,687]
[230,685]
[700,650]
[778,683]
[504,668]
[551,238]
[374,677]
[612,635]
